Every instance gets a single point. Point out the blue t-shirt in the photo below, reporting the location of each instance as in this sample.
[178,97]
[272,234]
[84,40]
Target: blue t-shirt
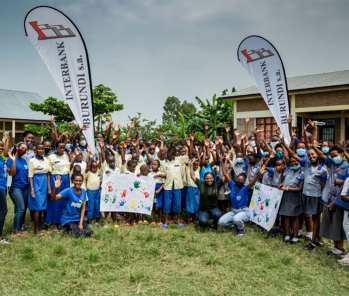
[20,180]
[238,198]
[206,169]
[73,203]
[3,174]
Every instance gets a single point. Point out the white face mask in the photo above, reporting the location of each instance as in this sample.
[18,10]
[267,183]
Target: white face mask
[253,143]
[83,143]
[273,144]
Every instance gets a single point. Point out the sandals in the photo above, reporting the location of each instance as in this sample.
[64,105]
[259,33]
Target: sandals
[145,222]
[165,226]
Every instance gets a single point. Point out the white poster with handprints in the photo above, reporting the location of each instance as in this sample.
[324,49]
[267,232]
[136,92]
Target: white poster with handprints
[127,193]
[265,205]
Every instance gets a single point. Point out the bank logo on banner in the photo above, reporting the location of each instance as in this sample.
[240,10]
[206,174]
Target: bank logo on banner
[263,63]
[46,31]
[63,50]
[258,54]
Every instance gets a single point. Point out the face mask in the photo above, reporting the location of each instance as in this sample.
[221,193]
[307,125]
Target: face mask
[47,150]
[67,146]
[279,168]
[253,143]
[273,144]
[295,168]
[266,153]
[337,160]
[300,152]
[325,150]
[83,143]
[21,152]
[279,155]
[239,183]
[239,160]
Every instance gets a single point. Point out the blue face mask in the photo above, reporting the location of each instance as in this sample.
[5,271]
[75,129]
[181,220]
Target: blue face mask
[300,152]
[239,183]
[67,146]
[266,153]
[279,155]
[337,160]
[295,168]
[325,150]
[239,160]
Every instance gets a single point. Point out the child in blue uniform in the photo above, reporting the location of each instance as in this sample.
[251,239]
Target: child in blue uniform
[159,191]
[93,186]
[38,167]
[239,201]
[74,198]
[193,195]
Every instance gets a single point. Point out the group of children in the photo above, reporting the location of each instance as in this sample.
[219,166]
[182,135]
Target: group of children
[51,180]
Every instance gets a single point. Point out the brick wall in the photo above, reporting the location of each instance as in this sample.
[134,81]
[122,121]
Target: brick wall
[241,125]
[330,98]
[251,105]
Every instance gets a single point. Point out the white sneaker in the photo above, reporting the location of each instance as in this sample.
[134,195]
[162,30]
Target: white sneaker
[344,261]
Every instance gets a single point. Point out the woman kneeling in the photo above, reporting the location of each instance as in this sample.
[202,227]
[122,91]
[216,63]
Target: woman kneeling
[75,204]
[239,201]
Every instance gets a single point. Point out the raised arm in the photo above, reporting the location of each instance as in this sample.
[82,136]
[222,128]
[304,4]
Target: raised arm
[227,130]
[306,140]
[7,144]
[290,152]
[207,127]
[226,178]
[314,131]
[58,183]
[247,122]
[315,145]
[256,178]
[262,139]
[214,156]
[192,174]
[128,135]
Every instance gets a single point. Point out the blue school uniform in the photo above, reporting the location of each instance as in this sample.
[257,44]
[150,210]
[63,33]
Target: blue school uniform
[206,169]
[159,198]
[72,205]
[3,174]
[20,180]
[238,197]
[93,204]
[192,201]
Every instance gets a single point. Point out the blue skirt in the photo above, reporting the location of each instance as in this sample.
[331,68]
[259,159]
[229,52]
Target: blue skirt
[39,202]
[193,200]
[184,196]
[55,208]
[93,204]
[159,203]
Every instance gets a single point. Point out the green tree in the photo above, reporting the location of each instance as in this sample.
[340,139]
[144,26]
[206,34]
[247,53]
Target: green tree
[172,107]
[187,108]
[104,103]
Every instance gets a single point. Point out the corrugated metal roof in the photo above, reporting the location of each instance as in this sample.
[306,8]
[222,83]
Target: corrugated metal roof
[15,105]
[303,82]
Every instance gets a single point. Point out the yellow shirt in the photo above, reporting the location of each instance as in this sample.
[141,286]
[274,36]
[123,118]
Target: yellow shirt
[59,165]
[37,166]
[82,164]
[172,171]
[93,180]
[158,180]
[191,183]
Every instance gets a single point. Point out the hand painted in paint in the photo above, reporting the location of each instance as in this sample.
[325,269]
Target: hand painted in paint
[254,213]
[261,206]
[148,208]
[267,202]
[131,189]
[106,198]
[266,218]
[122,202]
[145,193]
[137,184]
[124,193]
[276,205]
[259,199]
[114,199]
[110,187]
[133,203]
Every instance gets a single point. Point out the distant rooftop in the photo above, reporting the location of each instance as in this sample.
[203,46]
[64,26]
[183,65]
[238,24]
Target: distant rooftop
[15,105]
[302,82]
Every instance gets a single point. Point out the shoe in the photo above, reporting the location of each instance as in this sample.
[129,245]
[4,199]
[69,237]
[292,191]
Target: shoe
[292,242]
[160,224]
[344,261]
[171,221]
[24,227]
[55,229]
[310,247]
[134,224]
[153,223]
[308,238]
[116,226]
[15,234]
[140,222]
[145,222]
[165,226]
[336,251]
[241,232]
[319,244]
[180,225]
[286,240]
[105,226]
[90,225]
[181,221]
[126,224]
[39,234]
[5,241]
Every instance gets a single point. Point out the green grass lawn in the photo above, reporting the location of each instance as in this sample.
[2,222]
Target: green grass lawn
[144,260]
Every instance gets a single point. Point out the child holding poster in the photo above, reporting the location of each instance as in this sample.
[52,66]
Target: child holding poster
[159,191]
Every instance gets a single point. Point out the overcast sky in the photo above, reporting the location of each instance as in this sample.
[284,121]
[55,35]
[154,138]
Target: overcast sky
[147,50]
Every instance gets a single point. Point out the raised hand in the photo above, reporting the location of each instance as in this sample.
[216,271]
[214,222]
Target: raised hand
[289,118]
[310,122]
[305,127]
[247,119]
[187,141]
[132,125]
[207,127]
[227,128]
[12,156]
[58,181]
[207,143]
[119,126]
[52,121]
[84,127]
[192,137]
[294,133]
